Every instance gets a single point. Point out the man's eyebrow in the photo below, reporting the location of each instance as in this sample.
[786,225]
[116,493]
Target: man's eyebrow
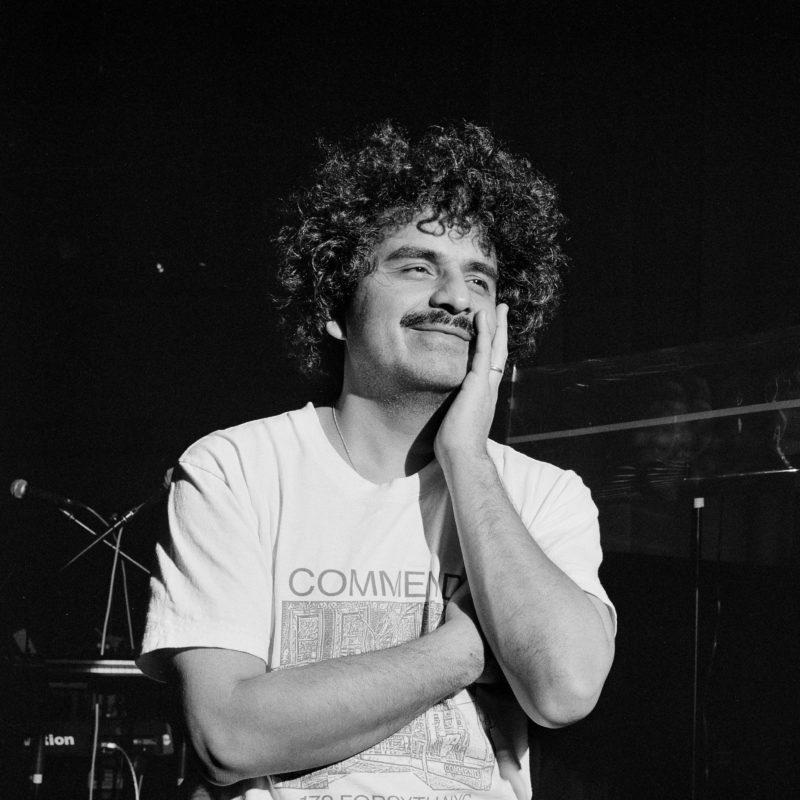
[408,251]
[485,268]
[425,254]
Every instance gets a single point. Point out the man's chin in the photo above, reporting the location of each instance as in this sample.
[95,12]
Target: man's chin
[437,380]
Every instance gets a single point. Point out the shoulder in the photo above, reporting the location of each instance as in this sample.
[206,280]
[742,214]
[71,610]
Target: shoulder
[514,466]
[249,444]
[535,485]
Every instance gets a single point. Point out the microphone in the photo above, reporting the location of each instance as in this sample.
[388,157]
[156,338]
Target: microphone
[22,490]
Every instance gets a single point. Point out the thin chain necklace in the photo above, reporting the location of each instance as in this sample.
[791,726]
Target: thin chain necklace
[341,436]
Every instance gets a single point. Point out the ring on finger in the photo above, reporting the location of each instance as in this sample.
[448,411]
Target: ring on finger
[501,370]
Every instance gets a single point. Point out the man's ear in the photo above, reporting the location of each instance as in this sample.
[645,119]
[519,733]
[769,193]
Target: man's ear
[335,329]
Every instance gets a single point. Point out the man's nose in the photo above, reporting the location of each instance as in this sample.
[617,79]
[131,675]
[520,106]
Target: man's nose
[452,294]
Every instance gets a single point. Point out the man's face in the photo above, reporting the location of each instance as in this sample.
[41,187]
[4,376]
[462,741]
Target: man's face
[410,324]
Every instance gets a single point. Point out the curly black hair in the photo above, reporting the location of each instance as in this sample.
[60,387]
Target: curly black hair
[459,175]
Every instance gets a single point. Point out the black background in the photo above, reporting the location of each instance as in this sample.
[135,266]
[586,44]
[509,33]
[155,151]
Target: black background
[136,135]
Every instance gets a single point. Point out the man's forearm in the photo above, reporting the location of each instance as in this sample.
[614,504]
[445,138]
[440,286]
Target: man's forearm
[550,639]
[304,717]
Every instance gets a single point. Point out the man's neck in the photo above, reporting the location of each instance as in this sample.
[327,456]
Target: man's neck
[385,439]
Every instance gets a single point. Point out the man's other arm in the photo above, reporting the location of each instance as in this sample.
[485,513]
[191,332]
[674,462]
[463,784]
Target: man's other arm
[554,642]
[245,722]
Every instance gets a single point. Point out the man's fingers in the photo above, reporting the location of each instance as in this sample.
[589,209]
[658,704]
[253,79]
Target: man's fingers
[499,350]
[480,358]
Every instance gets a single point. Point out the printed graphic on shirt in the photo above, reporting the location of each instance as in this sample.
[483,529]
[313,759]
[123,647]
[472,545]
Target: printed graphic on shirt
[446,747]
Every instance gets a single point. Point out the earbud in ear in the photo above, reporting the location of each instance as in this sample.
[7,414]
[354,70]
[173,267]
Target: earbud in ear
[335,329]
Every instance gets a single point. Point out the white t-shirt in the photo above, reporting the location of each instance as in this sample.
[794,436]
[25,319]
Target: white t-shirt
[279,549]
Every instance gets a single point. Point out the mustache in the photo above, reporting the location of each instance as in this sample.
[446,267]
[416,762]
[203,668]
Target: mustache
[438,316]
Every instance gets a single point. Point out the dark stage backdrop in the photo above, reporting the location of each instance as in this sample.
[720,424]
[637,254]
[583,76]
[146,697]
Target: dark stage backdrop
[145,148]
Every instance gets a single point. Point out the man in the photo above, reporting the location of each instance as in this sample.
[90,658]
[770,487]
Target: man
[366,600]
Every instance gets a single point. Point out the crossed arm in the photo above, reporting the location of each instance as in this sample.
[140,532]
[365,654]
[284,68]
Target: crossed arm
[245,722]
[553,642]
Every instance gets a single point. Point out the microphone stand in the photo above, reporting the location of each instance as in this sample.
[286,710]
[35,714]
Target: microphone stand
[99,538]
[102,537]
[696,485]
[120,558]
[116,527]
[119,521]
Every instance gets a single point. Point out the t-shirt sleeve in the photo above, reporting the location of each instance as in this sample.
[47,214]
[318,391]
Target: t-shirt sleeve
[557,508]
[213,585]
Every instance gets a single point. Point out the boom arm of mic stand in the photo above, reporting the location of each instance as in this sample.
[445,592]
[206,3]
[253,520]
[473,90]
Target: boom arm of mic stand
[100,538]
